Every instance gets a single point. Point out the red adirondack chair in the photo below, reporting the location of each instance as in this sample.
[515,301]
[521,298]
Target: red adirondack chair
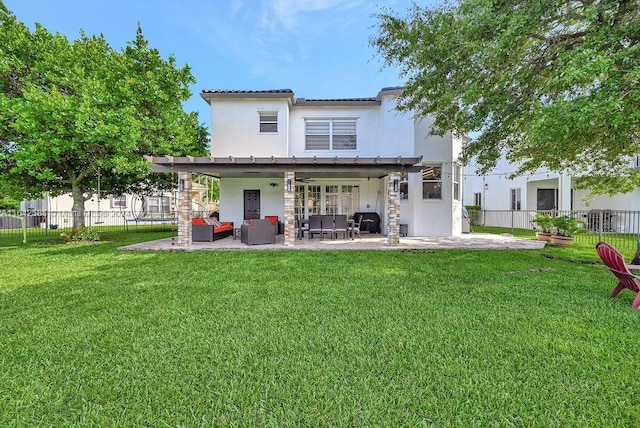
[615,262]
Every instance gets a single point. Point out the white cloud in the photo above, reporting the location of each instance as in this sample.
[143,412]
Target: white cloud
[292,14]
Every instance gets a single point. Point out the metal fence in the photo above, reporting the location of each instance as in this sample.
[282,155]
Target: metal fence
[620,228]
[613,226]
[52,223]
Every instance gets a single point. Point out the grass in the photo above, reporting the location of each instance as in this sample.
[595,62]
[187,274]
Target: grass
[93,336]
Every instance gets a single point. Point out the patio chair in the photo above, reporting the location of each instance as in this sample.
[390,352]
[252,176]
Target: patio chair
[327,225]
[303,226]
[615,262]
[636,258]
[340,226]
[356,226]
[315,226]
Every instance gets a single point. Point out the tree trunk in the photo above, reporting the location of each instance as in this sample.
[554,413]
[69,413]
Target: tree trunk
[78,206]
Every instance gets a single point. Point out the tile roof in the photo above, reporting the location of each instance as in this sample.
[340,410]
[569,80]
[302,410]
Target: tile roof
[235,91]
[288,93]
[337,99]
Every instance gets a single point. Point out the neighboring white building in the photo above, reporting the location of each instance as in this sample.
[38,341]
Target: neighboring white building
[271,149]
[543,190]
[128,207]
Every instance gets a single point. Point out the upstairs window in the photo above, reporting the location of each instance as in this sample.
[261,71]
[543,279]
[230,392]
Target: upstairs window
[330,134]
[432,182]
[268,122]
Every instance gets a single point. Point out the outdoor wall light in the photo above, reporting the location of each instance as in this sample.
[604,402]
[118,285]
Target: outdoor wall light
[289,184]
[181,184]
[395,185]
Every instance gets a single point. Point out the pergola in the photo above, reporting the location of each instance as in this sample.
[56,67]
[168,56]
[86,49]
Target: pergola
[286,168]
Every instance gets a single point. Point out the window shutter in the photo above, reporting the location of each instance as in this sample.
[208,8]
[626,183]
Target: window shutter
[317,134]
[344,135]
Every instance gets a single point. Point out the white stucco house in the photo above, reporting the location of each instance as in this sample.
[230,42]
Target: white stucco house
[542,190]
[279,155]
[109,209]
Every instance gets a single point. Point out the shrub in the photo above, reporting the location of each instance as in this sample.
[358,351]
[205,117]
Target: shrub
[565,225]
[543,221]
[85,234]
[474,214]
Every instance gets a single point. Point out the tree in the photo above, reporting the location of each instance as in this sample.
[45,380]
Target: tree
[547,83]
[73,112]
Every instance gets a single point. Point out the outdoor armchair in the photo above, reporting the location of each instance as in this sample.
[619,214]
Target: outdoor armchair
[615,262]
[258,232]
[636,258]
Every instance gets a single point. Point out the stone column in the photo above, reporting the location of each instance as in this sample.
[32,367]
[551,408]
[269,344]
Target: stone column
[289,208]
[393,216]
[184,209]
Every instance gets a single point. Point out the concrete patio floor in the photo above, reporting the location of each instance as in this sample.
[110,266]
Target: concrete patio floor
[367,242]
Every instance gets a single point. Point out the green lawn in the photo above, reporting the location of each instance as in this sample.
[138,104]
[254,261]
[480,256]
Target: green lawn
[90,336]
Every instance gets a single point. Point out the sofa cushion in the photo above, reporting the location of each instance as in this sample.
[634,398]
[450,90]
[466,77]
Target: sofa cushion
[225,225]
[272,218]
[198,222]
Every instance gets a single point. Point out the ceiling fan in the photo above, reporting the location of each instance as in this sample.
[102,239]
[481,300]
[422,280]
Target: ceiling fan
[304,180]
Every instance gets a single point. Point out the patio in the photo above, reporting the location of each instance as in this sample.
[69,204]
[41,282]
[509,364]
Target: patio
[367,242]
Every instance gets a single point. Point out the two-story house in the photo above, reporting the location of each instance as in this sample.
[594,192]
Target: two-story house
[541,190]
[276,154]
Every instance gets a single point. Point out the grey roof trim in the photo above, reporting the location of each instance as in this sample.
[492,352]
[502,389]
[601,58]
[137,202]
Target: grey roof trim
[338,102]
[207,94]
[391,90]
[282,164]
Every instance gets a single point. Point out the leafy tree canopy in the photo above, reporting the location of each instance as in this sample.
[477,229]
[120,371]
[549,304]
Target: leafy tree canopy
[73,111]
[547,83]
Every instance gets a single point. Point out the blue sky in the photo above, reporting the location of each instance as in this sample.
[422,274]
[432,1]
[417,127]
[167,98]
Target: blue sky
[317,48]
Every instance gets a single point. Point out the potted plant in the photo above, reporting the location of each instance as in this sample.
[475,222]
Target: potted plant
[564,228]
[544,222]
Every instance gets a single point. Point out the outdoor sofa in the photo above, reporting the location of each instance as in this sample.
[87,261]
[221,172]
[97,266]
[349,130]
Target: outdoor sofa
[209,229]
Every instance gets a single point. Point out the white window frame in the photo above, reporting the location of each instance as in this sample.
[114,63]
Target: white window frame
[266,118]
[515,199]
[436,181]
[160,204]
[456,176]
[119,201]
[327,198]
[404,187]
[333,126]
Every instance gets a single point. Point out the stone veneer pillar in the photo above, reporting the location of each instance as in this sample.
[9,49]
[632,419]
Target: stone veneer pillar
[393,216]
[289,208]
[184,209]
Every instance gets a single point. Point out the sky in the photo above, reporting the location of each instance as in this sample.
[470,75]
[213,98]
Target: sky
[317,48]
